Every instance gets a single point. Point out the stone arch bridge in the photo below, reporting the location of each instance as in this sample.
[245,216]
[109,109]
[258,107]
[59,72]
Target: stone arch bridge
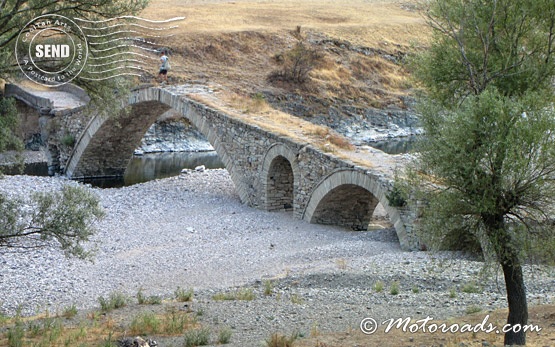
[270,171]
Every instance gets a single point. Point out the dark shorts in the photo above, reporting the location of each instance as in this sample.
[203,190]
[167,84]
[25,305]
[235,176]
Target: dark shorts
[163,72]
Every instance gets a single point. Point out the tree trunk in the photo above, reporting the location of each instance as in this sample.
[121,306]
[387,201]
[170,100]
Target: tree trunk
[516,298]
[507,255]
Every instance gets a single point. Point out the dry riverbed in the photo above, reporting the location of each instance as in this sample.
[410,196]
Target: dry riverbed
[192,231]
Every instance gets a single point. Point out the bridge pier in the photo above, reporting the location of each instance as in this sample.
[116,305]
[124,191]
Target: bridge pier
[270,171]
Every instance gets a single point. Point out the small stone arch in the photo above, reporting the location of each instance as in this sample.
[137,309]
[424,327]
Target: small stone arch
[348,198]
[122,134]
[279,177]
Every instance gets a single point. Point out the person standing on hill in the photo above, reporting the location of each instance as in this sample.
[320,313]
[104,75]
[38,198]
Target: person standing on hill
[164,67]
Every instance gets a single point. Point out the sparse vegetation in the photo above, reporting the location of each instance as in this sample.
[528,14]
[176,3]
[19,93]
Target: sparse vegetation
[473,309]
[394,290]
[280,340]
[378,286]
[196,337]
[70,311]
[183,295]
[224,336]
[144,300]
[68,140]
[297,299]
[268,287]
[452,293]
[246,294]
[115,300]
[471,287]
[296,63]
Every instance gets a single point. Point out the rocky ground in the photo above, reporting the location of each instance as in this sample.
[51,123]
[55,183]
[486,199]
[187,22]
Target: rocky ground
[191,231]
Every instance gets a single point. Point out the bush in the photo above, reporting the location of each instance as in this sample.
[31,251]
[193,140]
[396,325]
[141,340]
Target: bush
[115,300]
[198,337]
[296,64]
[279,340]
[183,295]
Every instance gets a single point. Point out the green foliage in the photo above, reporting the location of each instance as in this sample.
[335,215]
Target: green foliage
[452,293]
[471,288]
[70,311]
[64,217]
[396,197]
[268,287]
[176,322]
[473,309]
[9,122]
[507,45]
[151,300]
[224,336]
[394,290]
[197,337]
[15,335]
[378,286]
[488,160]
[115,300]
[145,323]
[15,14]
[68,140]
[246,294]
[183,295]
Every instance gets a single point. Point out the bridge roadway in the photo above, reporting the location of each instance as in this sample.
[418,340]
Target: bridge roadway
[270,170]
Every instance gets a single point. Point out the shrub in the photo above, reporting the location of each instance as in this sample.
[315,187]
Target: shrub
[279,340]
[224,336]
[183,295]
[296,64]
[197,337]
[394,290]
[378,286]
[268,287]
[470,288]
[70,311]
[145,323]
[151,300]
[115,300]
[68,140]
[242,294]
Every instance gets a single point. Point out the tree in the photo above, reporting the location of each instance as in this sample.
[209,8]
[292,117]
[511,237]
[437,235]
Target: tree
[64,218]
[488,155]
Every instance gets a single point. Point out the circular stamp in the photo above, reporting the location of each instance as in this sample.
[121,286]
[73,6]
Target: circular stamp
[51,50]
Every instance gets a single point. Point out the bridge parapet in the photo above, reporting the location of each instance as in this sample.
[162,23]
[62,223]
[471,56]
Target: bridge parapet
[270,171]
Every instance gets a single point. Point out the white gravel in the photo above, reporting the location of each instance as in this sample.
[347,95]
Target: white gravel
[192,231]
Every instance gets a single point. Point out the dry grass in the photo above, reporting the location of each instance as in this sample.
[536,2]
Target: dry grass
[256,111]
[544,316]
[233,44]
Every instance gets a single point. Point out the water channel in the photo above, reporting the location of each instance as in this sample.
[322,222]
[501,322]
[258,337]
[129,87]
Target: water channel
[152,166]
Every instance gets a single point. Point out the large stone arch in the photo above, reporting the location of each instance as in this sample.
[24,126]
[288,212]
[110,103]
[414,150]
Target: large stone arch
[348,198]
[107,143]
[279,177]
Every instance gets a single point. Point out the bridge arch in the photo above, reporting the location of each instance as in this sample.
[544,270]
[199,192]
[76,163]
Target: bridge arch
[107,143]
[348,197]
[280,178]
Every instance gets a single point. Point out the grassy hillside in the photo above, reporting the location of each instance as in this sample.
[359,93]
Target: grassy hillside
[240,44]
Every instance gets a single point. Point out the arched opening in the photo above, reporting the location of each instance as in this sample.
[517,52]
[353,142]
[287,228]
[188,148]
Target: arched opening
[347,205]
[280,185]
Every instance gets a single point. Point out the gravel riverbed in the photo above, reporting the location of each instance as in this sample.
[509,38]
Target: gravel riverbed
[191,231]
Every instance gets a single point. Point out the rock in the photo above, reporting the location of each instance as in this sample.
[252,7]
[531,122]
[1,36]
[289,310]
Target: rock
[200,168]
[191,230]
[137,342]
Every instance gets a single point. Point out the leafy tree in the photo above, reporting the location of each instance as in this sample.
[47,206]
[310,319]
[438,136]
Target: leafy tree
[64,218]
[488,155]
